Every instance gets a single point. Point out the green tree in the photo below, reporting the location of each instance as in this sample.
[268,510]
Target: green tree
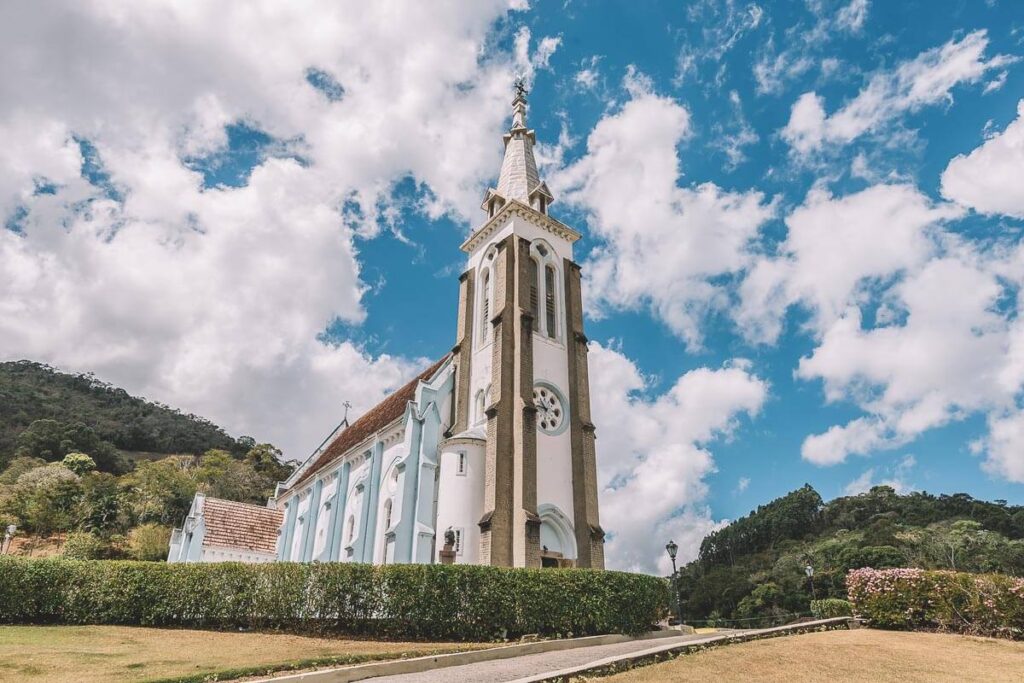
[221,476]
[266,459]
[79,463]
[52,440]
[103,509]
[45,498]
[80,545]
[18,467]
[162,491]
[149,542]
[764,601]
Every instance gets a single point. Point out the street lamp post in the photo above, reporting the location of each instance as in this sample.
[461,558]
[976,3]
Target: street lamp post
[672,549]
[809,570]
[5,545]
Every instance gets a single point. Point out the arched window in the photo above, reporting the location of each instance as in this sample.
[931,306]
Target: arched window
[481,406]
[545,290]
[549,301]
[350,529]
[533,273]
[485,306]
[387,513]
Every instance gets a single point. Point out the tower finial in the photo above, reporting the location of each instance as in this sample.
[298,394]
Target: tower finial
[520,86]
[519,104]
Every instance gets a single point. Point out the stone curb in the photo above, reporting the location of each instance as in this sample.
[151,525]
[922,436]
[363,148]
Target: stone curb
[663,652]
[395,667]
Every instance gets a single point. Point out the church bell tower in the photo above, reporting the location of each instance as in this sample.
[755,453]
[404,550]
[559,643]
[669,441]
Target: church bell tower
[522,438]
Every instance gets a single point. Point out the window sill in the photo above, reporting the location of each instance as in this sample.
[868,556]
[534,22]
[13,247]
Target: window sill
[557,343]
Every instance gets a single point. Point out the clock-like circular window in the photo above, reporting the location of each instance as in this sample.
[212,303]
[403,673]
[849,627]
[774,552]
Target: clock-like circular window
[552,408]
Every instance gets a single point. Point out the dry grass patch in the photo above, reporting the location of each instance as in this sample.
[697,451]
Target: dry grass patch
[858,655]
[90,654]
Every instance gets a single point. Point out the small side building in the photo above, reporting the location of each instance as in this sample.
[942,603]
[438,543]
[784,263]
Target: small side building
[219,530]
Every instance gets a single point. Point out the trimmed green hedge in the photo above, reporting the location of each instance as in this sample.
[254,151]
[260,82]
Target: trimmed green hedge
[436,602]
[978,604]
[830,608]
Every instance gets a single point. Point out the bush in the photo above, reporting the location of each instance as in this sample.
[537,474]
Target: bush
[149,542]
[436,602]
[978,604]
[831,607]
[83,546]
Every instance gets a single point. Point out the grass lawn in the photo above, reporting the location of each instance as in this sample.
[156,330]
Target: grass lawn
[857,655]
[87,654]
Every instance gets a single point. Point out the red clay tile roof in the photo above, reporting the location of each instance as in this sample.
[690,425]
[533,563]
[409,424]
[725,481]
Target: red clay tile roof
[240,525]
[373,420]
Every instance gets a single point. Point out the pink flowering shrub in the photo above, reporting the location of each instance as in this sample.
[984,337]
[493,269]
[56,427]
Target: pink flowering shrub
[979,604]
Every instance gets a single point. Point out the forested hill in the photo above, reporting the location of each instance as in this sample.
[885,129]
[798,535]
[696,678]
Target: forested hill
[44,412]
[755,566]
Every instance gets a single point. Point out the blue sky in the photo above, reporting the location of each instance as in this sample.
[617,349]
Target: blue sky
[650,37]
[800,219]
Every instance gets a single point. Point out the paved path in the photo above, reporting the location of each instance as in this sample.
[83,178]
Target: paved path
[504,670]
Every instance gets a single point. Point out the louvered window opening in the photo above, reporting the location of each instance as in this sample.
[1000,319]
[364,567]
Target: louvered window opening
[534,296]
[485,318]
[549,296]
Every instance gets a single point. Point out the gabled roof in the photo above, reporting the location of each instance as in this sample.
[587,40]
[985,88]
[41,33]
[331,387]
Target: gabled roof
[371,422]
[240,525]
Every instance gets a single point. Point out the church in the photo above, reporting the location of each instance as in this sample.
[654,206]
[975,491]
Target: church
[491,447]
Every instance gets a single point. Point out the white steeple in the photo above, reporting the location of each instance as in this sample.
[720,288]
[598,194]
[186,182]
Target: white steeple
[519,179]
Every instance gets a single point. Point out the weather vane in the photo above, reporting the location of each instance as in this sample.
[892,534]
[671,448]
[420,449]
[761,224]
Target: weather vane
[344,420]
[520,87]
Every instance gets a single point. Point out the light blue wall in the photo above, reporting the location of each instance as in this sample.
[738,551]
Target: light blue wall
[405,527]
[369,523]
[423,532]
[194,549]
[309,530]
[332,548]
[418,484]
[284,543]
[413,535]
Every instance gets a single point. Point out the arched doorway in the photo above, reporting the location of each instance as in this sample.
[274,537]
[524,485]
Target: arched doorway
[557,538]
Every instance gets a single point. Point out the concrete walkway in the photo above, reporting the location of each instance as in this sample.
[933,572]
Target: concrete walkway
[505,670]
[547,660]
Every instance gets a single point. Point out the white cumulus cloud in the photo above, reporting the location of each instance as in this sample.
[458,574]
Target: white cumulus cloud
[654,453]
[989,179]
[660,245]
[910,321]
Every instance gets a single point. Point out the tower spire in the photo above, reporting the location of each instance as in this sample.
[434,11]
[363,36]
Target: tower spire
[519,178]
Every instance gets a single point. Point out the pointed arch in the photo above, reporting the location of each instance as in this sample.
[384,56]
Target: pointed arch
[485,299]
[546,295]
[556,532]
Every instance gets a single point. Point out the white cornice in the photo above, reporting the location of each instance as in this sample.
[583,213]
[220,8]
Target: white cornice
[514,207]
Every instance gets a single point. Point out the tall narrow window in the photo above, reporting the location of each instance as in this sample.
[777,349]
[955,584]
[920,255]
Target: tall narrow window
[387,514]
[350,532]
[549,299]
[485,307]
[460,468]
[458,541]
[532,275]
